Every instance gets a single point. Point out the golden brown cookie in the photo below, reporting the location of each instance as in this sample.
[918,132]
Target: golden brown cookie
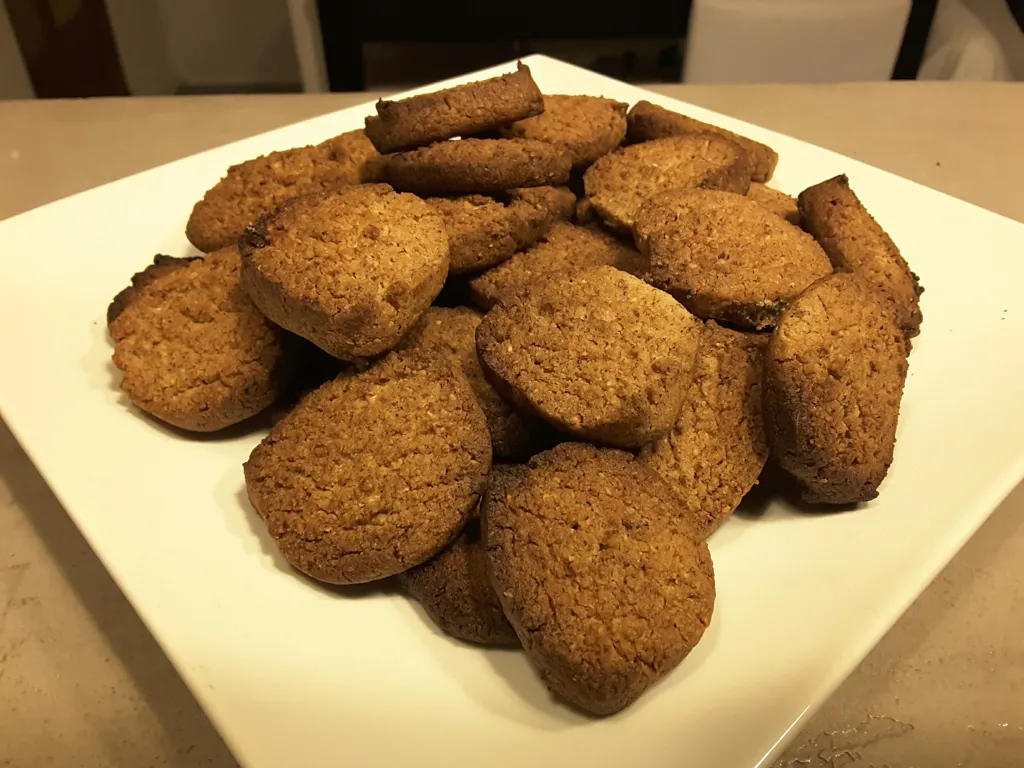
[648,121]
[374,472]
[599,354]
[725,256]
[452,332]
[193,349]
[463,110]
[834,376]
[619,183]
[162,264]
[257,187]
[855,242]
[350,271]
[717,449]
[565,249]
[560,202]
[606,589]
[777,202]
[478,165]
[587,126]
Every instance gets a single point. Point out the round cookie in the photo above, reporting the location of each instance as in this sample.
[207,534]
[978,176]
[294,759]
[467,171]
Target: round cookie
[374,472]
[484,231]
[587,126]
[725,256]
[565,249]
[459,111]
[777,202]
[648,121]
[618,184]
[350,271]
[599,354]
[559,202]
[162,265]
[606,587]
[715,452]
[452,332]
[193,349]
[834,375]
[455,591]
[257,187]
[478,165]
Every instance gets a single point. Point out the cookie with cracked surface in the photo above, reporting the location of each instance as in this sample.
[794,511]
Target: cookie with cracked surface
[726,257]
[599,354]
[777,202]
[462,110]
[649,121]
[350,271]
[834,375]
[455,591]
[452,332]
[192,348]
[257,187]
[855,242]
[715,452]
[478,165]
[587,126]
[607,590]
[374,472]
[565,249]
[618,184]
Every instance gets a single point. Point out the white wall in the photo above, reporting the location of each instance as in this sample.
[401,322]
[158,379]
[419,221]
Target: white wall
[14,79]
[997,18]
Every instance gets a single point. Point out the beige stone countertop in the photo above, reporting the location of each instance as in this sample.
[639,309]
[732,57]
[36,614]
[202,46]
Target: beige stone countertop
[82,682]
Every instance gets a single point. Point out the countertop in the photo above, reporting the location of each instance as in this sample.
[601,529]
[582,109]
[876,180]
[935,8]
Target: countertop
[82,682]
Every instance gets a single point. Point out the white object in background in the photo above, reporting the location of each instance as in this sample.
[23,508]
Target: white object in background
[793,40]
[309,45]
[961,47]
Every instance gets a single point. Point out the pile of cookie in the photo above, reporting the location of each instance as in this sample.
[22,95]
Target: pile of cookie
[525,353]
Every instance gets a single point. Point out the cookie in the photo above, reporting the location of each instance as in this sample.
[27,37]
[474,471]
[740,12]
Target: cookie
[460,111]
[484,231]
[559,202]
[605,588]
[777,202]
[585,213]
[715,452]
[192,348]
[619,183]
[726,257]
[586,126]
[373,473]
[834,376]
[599,354]
[257,187]
[565,249]
[350,271]
[162,264]
[855,242]
[455,591]
[648,121]
[478,165]
[452,332]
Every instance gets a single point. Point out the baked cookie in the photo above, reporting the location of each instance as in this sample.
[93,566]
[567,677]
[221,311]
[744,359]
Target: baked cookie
[599,354]
[585,213]
[478,165]
[717,449]
[193,350]
[565,249]
[605,586]
[257,187]
[455,591]
[350,271]
[855,242]
[560,202]
[725,256]
[460,111]
[162,264]
[452,332]
[834,376]
[484,231]
[648,121]
[586,126]
[777,202]
[373,473]
[619,183]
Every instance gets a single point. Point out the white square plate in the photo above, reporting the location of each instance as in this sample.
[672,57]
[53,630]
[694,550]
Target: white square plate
[294,674]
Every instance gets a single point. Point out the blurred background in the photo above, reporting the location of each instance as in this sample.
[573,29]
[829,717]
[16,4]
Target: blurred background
[76,48]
